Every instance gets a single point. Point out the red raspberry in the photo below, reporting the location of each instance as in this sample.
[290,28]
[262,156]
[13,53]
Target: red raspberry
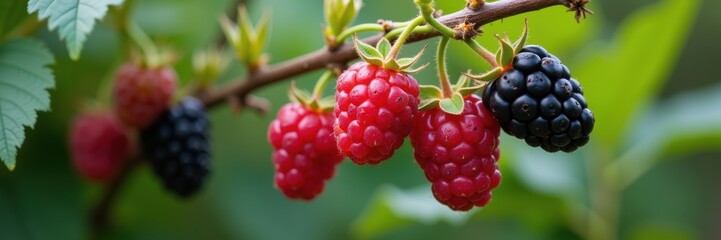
[142,94]
[374,111]
[99,145]
[458,154]
[305,154]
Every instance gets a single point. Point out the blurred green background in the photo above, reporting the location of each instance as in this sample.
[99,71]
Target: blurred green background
[649,172]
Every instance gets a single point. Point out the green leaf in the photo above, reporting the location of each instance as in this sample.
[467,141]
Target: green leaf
[24,80]
[392,208]
[688,127]
[453,105]
[384,47]
[73,18]
[634,66]
[261,36]
[428,104]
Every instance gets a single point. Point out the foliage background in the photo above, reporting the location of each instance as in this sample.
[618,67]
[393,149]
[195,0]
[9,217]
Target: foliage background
[653,88]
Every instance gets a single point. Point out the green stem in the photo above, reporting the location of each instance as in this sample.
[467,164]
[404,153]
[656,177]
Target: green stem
[483,52]
[442,73]
[402,38]
[366,27]
[427,13]
[418,30]
[320,85]
[143,41]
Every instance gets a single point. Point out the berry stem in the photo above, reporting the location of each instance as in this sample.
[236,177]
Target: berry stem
[402,38]
[442,73]
[366,27]
[144,42]
[100,214]
[320,85]
[483,52]
[427,13]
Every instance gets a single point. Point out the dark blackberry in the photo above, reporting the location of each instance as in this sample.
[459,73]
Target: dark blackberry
[178,146]
[538,101]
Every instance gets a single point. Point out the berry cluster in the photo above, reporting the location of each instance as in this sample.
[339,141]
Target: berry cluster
[175,140]
[99,144]
[374,111]
[305,154]
[178,145]
[458,154]
[537,100]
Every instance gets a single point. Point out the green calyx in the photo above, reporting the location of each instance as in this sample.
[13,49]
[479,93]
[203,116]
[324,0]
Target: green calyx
[248,41]
[380,55]
[504,56]
[314,101]
[432,96]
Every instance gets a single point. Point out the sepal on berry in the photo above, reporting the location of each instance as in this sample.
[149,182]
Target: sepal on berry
[378,56]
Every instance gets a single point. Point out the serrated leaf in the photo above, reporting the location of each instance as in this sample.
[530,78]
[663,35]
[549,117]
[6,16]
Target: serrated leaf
[507,52]
[430,92]
[74,19]
[522,40]
[367,52]
[453,105]
[487,76]
[24,80]
[384,47]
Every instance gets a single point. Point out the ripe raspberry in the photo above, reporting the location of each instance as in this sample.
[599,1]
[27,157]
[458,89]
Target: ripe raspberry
[142,94]
[538,101]
[305,153]
[178,146]
[458,154]
[99,145]
[374,111]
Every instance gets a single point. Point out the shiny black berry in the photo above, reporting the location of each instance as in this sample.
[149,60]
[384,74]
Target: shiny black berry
[540,102]
[178,147]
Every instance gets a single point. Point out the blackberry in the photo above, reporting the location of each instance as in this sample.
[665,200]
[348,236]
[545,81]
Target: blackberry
[538,101]
[178,146]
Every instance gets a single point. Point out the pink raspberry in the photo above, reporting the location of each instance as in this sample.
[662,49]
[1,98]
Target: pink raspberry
[458,154]
[305,153]
[99,145]
[142,94]
[374,112]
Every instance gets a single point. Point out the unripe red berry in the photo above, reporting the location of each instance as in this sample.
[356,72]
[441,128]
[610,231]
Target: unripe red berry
[305,154]
[99,145]
[374,112]
[458,154]
[141,94]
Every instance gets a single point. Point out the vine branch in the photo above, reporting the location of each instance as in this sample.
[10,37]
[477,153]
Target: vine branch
[321,58]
